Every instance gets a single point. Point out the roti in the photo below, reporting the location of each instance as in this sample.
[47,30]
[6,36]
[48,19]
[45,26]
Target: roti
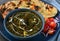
[45,9]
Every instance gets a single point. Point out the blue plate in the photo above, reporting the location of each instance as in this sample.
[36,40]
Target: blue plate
[39,37]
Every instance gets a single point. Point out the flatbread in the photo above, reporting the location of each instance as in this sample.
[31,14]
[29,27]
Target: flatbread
[45,9]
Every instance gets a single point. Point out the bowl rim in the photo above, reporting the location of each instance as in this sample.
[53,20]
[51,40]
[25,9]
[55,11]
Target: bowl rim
[16,10]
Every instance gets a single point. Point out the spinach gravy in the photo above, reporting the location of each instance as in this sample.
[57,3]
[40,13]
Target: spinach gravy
[24,24]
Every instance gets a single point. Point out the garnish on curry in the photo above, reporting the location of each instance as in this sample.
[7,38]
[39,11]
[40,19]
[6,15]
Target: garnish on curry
[24,24]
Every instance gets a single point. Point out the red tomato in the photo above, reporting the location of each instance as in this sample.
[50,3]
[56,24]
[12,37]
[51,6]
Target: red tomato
[53,24]
[50,25]
[51,19]
[47,21]
[46,27]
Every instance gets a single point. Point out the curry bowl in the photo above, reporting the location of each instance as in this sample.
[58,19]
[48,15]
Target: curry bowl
[24,23]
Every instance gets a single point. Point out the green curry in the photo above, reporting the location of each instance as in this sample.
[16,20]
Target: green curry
[24,24]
